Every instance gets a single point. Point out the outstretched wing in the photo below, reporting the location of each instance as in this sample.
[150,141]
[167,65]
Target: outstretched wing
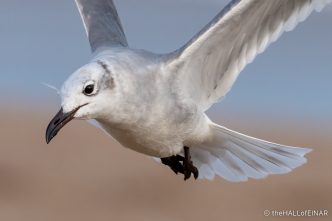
[102,23]
[208,65]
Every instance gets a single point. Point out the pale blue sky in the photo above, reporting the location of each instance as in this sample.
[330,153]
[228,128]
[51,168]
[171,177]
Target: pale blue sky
[44,41]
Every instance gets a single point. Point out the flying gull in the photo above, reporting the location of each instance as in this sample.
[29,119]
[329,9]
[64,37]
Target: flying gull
[155,103]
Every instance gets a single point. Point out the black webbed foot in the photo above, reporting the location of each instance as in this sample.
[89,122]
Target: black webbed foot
[174,162]
[180,164]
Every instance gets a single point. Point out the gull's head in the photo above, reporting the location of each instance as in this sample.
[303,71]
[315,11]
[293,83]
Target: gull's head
[85,95]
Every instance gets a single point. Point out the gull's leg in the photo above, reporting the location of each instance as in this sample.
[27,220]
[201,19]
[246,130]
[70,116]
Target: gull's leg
[188,166]
[174,163]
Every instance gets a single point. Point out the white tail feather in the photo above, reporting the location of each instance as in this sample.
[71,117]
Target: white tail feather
[237,157]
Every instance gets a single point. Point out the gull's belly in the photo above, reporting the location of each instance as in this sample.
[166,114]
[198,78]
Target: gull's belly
[150,142]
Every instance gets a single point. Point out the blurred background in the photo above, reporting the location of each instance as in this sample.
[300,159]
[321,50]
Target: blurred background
[284,97]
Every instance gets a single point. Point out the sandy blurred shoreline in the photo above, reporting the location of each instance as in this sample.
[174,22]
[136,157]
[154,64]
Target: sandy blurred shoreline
[84,175]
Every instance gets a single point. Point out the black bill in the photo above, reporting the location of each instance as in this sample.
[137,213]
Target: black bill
[58,122]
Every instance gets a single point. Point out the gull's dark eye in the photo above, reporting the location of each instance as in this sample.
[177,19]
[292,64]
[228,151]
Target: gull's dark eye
[89,89]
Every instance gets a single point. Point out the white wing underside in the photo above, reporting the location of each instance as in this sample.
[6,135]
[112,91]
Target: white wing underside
[208,65]
[102,23]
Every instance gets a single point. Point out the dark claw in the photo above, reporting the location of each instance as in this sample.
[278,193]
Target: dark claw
[187,174]
[195,172]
